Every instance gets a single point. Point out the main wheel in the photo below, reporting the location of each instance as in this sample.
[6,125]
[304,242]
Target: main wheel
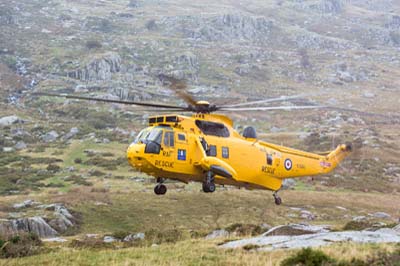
[208,187]
[160,189]
[211,187]
[278,201]
[205,187]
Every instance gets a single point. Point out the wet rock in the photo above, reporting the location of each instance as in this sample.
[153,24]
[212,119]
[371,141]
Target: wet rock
[9,120]
[50,136]
[217,234]
[134,237]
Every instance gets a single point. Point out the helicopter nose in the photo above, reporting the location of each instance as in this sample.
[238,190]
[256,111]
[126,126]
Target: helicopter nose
[134,155]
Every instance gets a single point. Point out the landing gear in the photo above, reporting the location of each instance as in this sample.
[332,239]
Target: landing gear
[208,184]
[160,189]
[278,200]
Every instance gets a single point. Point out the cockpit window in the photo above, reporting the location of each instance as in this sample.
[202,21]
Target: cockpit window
[155,135]
[212,128]
[142,136]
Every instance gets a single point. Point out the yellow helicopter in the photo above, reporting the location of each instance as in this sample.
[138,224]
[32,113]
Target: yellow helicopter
[205,147]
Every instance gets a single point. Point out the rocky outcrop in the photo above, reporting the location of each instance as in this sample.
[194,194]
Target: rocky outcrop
[99,68]
[61,220]
[185,66]
[33,224]
[315,238]
[228,27]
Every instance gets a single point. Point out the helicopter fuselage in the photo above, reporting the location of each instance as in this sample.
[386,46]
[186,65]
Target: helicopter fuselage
[186,148]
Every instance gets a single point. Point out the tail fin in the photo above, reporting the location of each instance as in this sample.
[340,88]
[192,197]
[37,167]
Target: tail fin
[336,156]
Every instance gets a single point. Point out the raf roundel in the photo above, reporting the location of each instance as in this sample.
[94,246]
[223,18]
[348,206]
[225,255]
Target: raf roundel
[288,164]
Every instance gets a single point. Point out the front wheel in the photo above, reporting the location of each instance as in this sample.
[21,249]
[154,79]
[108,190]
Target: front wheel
[160,189]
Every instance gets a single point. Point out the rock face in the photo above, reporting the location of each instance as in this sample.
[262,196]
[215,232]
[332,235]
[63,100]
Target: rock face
[318,238]
[98,68]
[32,224]
[61,221]
[185,66]
[228,27]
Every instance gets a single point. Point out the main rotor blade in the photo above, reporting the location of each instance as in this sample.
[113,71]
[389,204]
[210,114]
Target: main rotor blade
[272,108]
[278,99]
[68,96]
[179,87]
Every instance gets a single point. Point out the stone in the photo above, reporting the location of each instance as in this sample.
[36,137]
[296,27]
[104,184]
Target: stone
[25,204]
[55,239]
[381,215]
[73,131]
[307,215]
[109,239]
[20,145]
[134,237]
[8,149]
[9,120]
[50,136]
[368,95]
[217,234]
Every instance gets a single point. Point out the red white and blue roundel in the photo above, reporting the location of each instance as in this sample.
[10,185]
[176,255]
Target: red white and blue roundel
[288,164]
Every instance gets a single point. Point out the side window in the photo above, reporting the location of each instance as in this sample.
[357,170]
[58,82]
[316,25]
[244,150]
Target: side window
[269,159]
[212,151]
[225,152]
[181,137]
[169,139]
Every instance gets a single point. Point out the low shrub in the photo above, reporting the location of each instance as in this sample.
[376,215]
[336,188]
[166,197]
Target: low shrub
[357,225]
[168,236]
[309,257]
[91,243]
[244,229]
[21,245]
